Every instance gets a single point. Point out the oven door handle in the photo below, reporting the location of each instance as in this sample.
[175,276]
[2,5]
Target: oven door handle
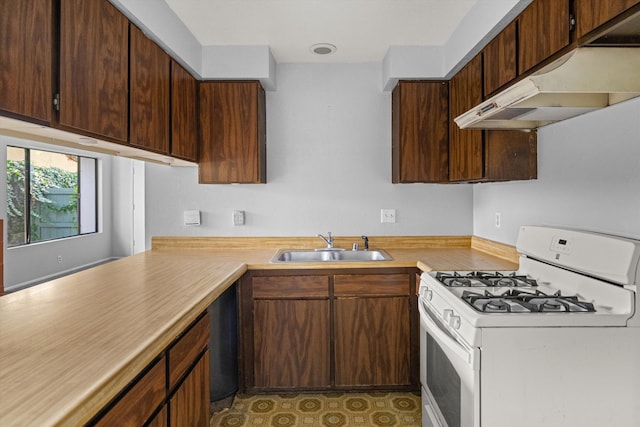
[443,337]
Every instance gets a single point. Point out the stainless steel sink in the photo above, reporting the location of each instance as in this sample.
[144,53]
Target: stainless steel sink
[329,255]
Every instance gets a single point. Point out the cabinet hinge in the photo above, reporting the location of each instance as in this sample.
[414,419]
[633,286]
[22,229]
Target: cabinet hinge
[56,102]
[572,22]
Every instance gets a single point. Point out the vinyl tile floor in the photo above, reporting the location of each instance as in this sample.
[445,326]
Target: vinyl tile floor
[322,410]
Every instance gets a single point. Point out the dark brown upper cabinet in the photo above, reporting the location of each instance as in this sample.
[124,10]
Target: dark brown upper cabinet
[590,14]
[465,145]
[420,131]
[485,155]
[94,69]
[544,29]
[149,93]
[500,60]
[510,155]
[26,59]
[184,114]
[233,132]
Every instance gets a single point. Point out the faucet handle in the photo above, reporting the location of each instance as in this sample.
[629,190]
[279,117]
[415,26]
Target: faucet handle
[366,242]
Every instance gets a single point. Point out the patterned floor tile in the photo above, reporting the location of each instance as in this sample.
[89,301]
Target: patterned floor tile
[334,409]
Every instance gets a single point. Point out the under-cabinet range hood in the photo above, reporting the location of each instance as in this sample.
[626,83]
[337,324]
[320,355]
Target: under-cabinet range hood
[586,79]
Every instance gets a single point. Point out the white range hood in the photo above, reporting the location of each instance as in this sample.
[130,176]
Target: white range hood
[586,79]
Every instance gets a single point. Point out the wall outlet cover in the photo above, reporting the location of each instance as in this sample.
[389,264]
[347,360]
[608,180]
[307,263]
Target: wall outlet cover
[192,217]
[238,217]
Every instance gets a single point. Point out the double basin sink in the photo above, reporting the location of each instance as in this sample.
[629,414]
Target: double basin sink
[329,255]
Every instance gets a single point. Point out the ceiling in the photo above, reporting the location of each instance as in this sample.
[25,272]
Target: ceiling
[362,30]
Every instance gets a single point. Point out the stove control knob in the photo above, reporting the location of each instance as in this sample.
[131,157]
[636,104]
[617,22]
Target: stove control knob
[428,294]
[447,314]
[454,322]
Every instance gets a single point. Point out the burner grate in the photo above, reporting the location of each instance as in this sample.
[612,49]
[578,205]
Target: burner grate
[520,301]
[479,278]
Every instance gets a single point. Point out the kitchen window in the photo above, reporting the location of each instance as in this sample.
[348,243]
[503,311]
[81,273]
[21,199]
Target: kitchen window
[50,195]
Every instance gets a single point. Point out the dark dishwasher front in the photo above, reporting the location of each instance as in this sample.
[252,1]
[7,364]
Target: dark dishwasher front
[223,345]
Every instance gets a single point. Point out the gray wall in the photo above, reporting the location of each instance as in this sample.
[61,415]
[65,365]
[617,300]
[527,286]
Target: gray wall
[588,177]
[328,169]
[35,262]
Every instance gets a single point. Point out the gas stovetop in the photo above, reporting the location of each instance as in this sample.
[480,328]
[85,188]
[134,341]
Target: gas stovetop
[526,301]
[481,278]
[509,292]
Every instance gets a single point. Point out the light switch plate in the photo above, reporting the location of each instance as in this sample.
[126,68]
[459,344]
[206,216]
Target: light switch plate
[387,215]
[192,217]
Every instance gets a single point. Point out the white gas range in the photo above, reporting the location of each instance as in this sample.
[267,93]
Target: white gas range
[556,343]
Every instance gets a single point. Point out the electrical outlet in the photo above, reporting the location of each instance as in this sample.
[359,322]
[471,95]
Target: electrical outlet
[498,219]
[238,217]
[387,215]
[59,259]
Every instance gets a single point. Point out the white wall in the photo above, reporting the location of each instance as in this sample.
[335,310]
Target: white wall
[328,169]
[35,262]
[588,177]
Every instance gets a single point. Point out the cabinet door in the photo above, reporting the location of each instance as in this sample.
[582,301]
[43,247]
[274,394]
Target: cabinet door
[590,14]
[511,155]
[189,406]
[543,30]
[149,94]
[26,30]
[184,113]
[500,60]
[291,343]
[465,146]
[94,68]
[232,121]
[136,405]
[420,141]
[372,341]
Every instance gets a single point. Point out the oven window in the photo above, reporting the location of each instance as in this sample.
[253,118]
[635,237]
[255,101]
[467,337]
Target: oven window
[443,382]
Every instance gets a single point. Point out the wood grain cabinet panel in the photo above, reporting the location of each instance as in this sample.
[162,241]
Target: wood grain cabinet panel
[142,400]
[291,287]
[370,285]
[187,348]
[94,69]
[465,146]
[590,14]
[543,30]
[26,59]
[233,132]
[420,135]
[149,93]
[161,419]
[372,341]
[291,344]
[184,113]
[499,57]
[511,155]
[189,406]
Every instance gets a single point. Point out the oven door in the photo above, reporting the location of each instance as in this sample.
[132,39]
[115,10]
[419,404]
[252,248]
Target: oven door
[449,373]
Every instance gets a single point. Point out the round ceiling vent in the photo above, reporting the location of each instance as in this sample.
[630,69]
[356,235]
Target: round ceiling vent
[323,48]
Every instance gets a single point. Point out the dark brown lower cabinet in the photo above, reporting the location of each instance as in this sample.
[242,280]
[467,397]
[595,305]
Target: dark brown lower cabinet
[189,406]
[291,343]
[372,341]
[172,391]
[328,329]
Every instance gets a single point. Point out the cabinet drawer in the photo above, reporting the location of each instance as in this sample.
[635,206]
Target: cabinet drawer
[291,287]
[186,350]
[358,285]
[137,405]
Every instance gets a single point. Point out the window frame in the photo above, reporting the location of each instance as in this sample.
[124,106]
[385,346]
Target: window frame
[28,197]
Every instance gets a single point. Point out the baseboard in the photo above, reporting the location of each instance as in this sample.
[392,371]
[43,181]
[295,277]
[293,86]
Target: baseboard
[57,275]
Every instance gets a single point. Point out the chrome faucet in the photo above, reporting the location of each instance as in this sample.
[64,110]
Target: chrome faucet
[366,243]
[328,240]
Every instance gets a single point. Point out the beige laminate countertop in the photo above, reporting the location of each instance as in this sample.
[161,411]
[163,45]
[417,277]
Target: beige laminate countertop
[69,346]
